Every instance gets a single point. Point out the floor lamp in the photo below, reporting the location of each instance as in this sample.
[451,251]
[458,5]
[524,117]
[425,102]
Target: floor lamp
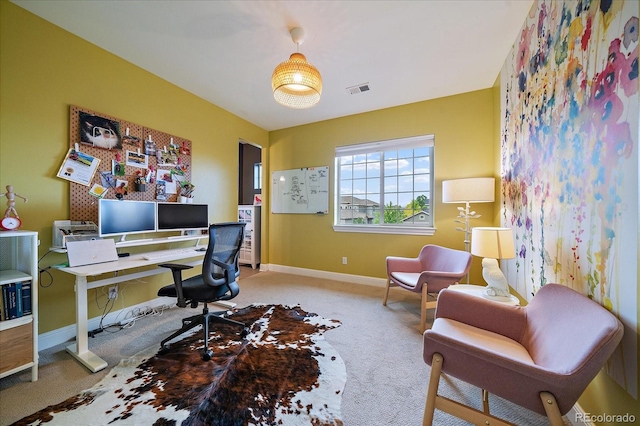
[467,191]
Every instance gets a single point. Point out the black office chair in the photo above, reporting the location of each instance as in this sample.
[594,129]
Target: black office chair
[217,282]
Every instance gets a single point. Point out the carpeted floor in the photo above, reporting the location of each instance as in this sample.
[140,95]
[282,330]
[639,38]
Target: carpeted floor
[380,346]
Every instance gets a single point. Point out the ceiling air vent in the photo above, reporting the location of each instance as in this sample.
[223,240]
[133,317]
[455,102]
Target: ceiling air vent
[359,88]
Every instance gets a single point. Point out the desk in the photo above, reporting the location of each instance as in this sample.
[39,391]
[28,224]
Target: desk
[478,291]
[80,349]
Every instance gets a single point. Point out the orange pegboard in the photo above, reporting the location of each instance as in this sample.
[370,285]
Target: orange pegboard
[83,205]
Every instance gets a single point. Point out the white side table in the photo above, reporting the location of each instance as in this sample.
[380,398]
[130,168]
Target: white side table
[479,291]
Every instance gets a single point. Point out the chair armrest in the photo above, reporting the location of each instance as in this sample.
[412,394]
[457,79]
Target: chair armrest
[438,280]
[229,268]
[403,264]
[176,270]
[507,320]
[177,266]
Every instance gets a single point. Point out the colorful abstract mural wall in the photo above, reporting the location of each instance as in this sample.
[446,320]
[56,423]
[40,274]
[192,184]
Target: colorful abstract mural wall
[570,158]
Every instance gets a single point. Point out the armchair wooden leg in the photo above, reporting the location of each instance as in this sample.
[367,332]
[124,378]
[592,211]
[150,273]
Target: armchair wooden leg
[485,401]
[423,308]
[551,408]
[386,295]
[432,391]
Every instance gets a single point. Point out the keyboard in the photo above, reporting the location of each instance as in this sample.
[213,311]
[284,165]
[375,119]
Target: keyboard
[165,254]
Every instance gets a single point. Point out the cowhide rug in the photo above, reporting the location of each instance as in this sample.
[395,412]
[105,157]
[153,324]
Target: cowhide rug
[283,373]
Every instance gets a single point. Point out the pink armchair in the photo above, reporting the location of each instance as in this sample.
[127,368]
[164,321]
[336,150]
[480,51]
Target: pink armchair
[434,269]
[541,356]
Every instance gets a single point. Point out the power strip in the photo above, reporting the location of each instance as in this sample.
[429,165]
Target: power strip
[225,304]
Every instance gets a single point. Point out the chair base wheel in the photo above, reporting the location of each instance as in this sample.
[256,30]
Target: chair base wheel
[207,355]
[245,332]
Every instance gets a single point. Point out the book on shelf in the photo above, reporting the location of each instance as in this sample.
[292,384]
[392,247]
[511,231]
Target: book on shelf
[5,302]
[26,298]
[16,300]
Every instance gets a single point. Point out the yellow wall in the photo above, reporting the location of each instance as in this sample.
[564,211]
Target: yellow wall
[463,129]
[603,395]
[43,70]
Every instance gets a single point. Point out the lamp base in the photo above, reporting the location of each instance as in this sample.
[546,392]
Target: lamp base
[495,298]
[497,283]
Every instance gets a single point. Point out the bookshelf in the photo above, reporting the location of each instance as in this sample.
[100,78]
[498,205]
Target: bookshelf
[19,335]
[250,250]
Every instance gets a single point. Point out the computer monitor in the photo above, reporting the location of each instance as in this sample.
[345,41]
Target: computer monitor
[182,217]
[120,217]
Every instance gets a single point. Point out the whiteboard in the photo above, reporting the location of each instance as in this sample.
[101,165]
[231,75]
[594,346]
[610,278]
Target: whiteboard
[303,190]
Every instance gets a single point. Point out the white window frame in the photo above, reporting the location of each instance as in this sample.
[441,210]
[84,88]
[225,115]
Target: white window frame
[381,146]
[257,176]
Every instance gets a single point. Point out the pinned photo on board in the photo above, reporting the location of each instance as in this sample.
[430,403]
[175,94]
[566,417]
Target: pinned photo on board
[161,194]
[149,147]
[78,167]
[122,188]
[137,160]
[99,132]
[132,142]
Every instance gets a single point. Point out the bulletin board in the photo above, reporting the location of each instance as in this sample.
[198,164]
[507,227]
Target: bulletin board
[304,190]
[140,150]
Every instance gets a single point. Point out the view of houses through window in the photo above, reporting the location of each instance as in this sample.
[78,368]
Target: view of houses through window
[386,183]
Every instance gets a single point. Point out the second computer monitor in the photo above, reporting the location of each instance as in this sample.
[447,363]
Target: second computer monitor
[182,217]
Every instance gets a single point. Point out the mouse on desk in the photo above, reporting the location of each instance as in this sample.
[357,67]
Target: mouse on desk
[201,249]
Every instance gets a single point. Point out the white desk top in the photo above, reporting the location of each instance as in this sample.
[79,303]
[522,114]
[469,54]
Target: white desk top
[135,260]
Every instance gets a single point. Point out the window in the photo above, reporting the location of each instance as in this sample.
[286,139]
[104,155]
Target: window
[257,176]
[385,186]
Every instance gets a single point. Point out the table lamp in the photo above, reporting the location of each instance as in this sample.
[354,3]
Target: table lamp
[493,244]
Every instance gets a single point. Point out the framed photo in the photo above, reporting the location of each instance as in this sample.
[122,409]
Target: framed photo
[78,167]
[99,132]
[137,160]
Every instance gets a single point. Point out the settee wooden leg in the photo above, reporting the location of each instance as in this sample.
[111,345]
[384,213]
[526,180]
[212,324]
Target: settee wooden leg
[432,391]
[551,408]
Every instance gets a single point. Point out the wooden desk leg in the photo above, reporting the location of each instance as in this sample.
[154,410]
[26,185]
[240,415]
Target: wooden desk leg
[80,349]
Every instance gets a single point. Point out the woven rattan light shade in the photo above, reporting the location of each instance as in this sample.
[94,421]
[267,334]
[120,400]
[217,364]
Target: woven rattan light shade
[296,83]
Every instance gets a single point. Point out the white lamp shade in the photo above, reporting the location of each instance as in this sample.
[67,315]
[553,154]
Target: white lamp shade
[473,190]
[494,243]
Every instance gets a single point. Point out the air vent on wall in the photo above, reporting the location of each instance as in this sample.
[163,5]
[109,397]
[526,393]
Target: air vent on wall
[359,88]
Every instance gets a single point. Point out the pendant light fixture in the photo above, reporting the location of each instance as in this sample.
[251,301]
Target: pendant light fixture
[296,83]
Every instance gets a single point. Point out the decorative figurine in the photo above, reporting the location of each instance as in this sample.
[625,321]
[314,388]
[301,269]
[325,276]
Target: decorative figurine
[497,284]
[11,220]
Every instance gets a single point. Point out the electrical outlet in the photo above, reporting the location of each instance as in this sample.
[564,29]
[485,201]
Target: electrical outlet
[113,292]
[344,260]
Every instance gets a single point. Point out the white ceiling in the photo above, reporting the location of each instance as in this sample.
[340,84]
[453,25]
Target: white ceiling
[225,51]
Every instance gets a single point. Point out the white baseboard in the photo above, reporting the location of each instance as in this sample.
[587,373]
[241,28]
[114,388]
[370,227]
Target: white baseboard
[65,334]
[577,416]
[335,276]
